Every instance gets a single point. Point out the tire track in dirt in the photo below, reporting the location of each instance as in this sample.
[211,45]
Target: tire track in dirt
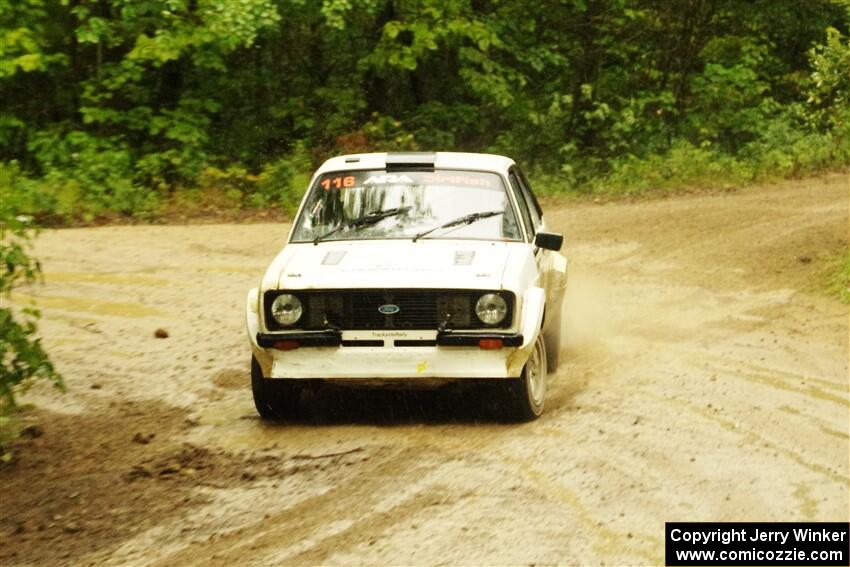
[702,380]
[302,522]
[755,440]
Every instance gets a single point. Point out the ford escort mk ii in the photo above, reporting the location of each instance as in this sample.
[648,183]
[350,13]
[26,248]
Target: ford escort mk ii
[412,268]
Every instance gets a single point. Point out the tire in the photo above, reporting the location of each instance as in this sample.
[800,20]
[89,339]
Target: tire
[525,396]
[274,398]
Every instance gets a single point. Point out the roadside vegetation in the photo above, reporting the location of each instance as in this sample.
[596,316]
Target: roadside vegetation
[837,281]
[22,358]
[142,109]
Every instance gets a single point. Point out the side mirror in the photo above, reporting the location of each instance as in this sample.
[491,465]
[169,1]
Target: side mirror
[549,240]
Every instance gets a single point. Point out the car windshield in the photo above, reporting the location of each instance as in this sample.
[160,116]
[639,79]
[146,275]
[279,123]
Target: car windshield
[403,204]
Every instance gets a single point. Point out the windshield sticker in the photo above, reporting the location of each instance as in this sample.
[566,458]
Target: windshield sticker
[338,182]
[388,179]
[455,179]
[434,179]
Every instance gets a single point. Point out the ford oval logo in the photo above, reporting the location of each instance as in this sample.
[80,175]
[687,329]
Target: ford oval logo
[389,309]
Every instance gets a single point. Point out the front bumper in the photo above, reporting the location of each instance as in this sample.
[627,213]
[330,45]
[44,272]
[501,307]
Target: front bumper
[389,362]
[336,339]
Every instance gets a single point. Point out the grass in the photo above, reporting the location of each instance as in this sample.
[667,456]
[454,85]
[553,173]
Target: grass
[837,282]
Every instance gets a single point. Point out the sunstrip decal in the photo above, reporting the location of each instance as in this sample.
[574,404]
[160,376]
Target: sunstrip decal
[387,179]
[338,182]
[423,178]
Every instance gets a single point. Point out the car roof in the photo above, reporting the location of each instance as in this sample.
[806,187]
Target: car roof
[441,160]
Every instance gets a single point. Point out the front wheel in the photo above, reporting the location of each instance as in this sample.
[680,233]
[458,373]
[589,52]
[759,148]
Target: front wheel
[524,396]
[552,338]
[274,398]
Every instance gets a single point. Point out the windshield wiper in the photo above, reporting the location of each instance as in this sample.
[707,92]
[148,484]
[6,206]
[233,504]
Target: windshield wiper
[466,219]
[364,221]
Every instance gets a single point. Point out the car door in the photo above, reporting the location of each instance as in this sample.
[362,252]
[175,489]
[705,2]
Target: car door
[528,220]
[531,217]
[551,279]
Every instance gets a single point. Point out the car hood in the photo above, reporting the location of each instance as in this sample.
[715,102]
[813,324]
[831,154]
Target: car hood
[469,264]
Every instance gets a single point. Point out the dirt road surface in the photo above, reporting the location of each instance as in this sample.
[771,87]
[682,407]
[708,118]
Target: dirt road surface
[705,380]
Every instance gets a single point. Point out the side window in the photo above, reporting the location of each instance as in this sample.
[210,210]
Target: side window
[523,205]
[531,201]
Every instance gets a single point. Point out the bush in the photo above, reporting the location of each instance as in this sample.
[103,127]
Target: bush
[829,92]
[284,181]
[229,186]
[97,171]
[80,177]
[789,146]
[22,358]
[683,166]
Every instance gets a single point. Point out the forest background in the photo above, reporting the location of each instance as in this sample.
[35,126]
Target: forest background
[136,108]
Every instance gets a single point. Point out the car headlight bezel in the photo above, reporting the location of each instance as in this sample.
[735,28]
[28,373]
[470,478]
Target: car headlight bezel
[491,309]
[286,309]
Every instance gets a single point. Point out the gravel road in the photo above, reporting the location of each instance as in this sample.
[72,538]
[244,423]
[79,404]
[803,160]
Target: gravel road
[705,378]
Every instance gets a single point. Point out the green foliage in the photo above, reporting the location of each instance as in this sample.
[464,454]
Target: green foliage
[786,147]
[280,184]
[23,48]
[684,165]
[22,357]
[731,99]
[114,106]
[284,181]
[829,90]
[838,279]
[830,79]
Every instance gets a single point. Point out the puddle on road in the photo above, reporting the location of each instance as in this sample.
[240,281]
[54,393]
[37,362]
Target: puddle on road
[231,270]
[65,341]
[102,278]
[80,304]
[79,322]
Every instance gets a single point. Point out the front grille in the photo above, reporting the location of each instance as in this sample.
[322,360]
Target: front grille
[418,309]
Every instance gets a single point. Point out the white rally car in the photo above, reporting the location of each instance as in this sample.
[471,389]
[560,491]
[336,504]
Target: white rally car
[419,268]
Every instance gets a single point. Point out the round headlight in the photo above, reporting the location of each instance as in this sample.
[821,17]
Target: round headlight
[491,308]
[286,309]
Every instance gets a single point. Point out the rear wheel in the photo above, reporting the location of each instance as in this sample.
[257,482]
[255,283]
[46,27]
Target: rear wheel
[524,396]
[274,398]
